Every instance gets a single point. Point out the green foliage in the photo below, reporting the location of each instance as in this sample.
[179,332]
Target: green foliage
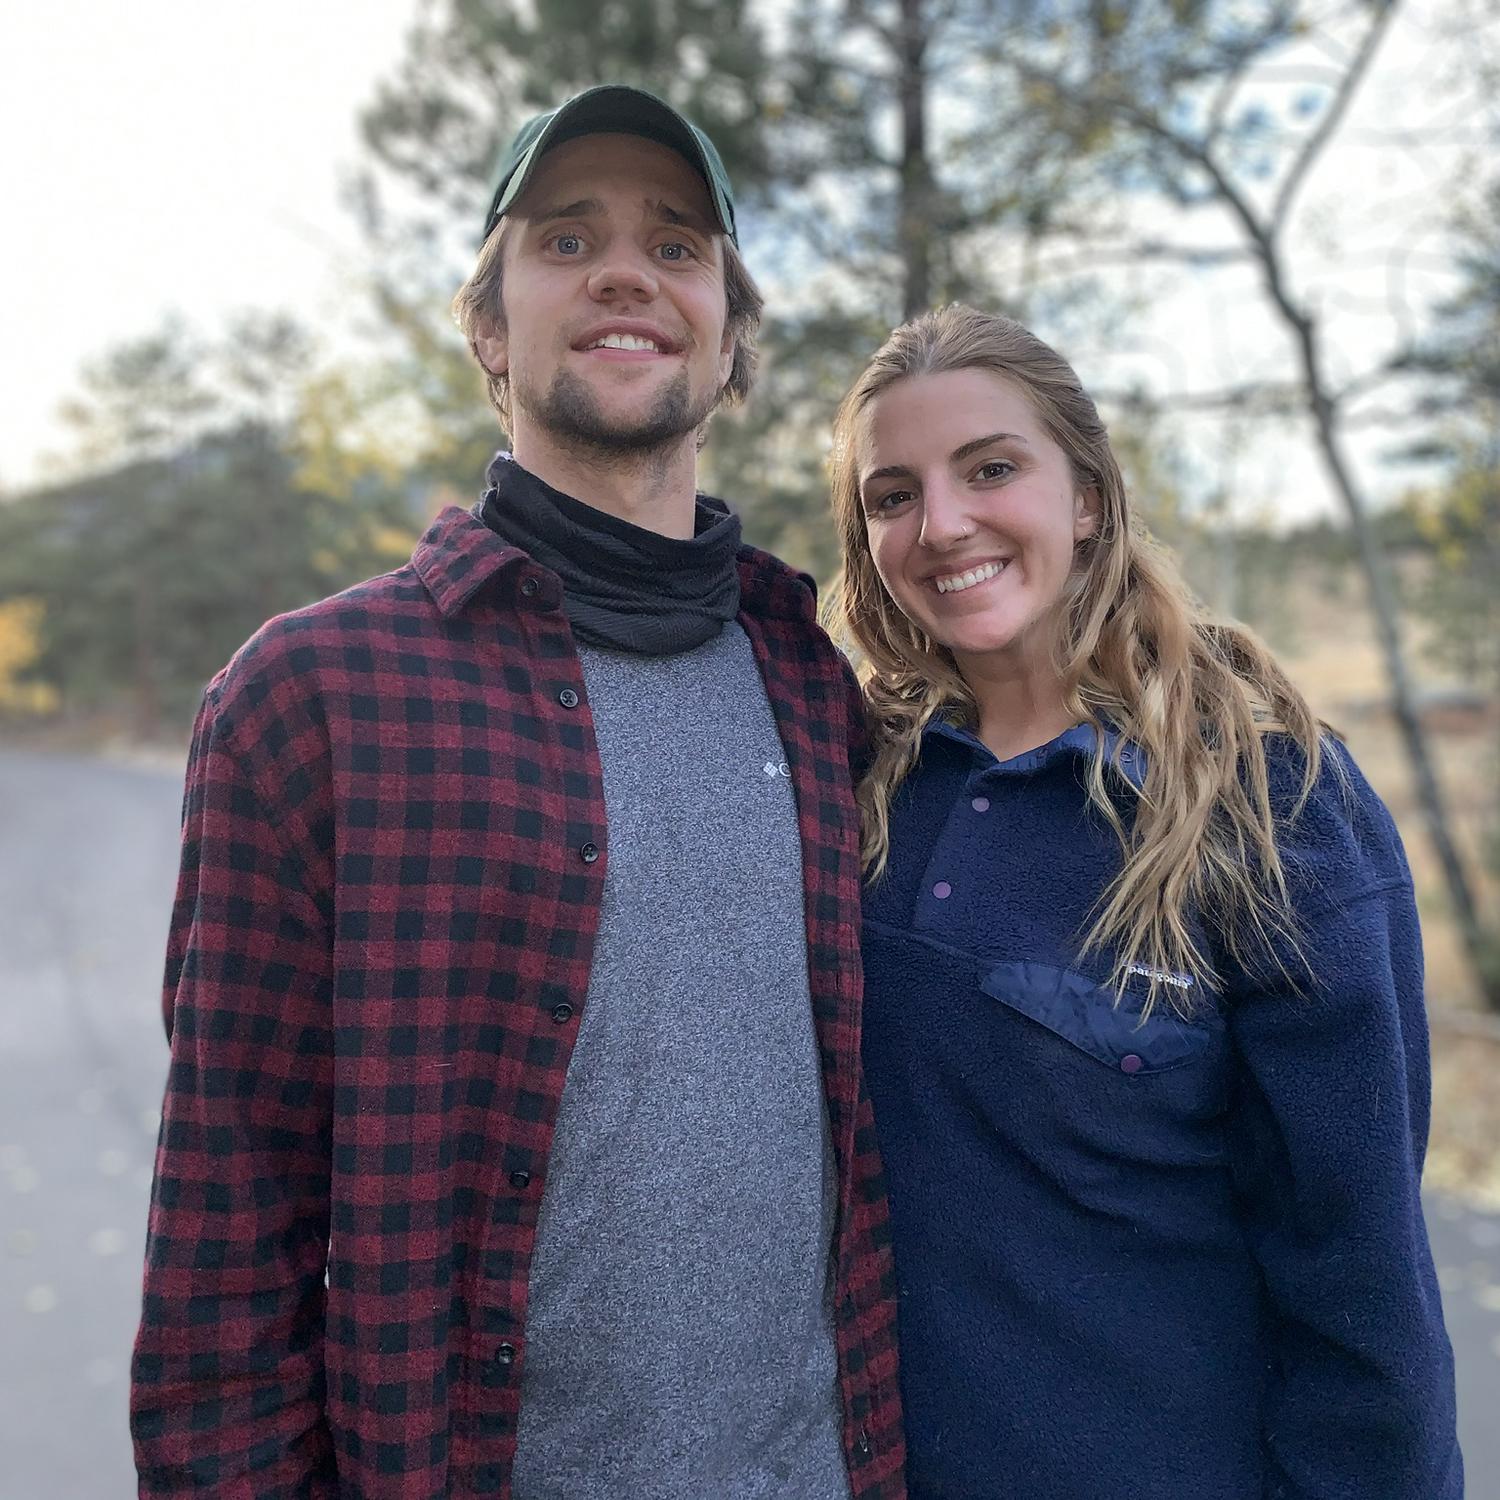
[190,530]
[1460,592]
[475,71]
[154,573]
[769,457]
[141,399]
[20,647]
[1463,350]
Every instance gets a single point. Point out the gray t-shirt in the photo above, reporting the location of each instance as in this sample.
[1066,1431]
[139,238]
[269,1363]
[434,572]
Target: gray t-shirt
[680,1336]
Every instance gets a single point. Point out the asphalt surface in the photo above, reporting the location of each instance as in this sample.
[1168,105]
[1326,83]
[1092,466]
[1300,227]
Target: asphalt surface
[88,854]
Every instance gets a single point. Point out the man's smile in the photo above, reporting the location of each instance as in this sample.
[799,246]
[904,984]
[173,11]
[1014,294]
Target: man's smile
[626,343]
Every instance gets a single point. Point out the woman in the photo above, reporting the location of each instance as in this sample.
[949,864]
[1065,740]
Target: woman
[1144,1024]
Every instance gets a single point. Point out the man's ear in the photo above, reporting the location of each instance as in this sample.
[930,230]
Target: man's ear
[1086,507]
[726,358]
[493,348]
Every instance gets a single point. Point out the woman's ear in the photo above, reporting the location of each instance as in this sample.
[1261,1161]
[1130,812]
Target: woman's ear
[1086,508]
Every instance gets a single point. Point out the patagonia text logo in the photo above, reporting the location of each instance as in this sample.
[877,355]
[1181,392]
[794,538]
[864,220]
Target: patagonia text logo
[1180,981]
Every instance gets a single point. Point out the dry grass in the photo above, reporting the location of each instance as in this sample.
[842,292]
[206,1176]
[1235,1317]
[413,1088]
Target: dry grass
[1328,643]
[1335,660]
[1464,1154]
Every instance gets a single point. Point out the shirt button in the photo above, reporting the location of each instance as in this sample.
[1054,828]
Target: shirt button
[589,853]
[530,584]
[568,698]
[505,1354]
[942,890]
[1130,1063]
[519,1179]
[980,804]
[563,1012]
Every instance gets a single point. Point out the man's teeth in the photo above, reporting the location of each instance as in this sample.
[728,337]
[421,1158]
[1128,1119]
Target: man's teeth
[969,579]
[625,341]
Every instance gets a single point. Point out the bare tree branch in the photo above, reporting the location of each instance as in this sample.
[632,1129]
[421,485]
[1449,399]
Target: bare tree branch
[1223,98]
[1383,417]
[1348,87]
[1261,397]
[1152,125]
[1383,374]
[1305,73]
[1094,258]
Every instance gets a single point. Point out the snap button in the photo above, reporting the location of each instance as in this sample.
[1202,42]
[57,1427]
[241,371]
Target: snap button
[505,1354]
[530,584]
[980,804]
[519,1179]
[562,1012]
[568,698]
[589,853]
[1130,1063]
[942,890]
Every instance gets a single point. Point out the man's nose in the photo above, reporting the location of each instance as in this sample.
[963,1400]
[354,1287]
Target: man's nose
[945,519]
[623,272]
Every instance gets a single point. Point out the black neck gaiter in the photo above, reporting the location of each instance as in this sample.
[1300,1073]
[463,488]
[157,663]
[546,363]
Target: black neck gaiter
[624,587]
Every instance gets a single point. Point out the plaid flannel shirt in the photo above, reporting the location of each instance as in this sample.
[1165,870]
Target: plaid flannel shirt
[394,854]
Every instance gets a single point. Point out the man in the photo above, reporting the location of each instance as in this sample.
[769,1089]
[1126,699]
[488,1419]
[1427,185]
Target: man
[515,1140]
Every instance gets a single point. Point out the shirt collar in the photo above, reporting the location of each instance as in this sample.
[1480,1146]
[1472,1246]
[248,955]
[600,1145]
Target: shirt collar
[1077,742]
[458,555]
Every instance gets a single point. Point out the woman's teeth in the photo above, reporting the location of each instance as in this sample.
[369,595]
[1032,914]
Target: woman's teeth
[967,580]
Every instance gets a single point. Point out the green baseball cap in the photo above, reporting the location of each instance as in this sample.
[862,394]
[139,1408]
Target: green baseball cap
[612,109]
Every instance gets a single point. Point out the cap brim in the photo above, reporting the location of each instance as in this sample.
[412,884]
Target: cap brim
[615,109]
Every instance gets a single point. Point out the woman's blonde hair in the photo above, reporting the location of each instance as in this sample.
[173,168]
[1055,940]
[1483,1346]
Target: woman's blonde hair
[1135,654]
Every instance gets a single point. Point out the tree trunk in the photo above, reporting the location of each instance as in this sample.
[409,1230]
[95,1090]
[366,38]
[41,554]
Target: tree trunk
[1388,629]
[916,199]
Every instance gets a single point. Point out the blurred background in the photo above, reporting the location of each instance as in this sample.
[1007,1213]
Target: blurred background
[1266,233]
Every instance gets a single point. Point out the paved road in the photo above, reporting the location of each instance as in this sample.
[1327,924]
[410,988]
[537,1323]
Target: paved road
[87,863]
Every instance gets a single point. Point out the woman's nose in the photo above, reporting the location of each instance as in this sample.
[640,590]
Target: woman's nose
[944,518]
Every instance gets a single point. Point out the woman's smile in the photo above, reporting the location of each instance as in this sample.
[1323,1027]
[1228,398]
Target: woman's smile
[972,578]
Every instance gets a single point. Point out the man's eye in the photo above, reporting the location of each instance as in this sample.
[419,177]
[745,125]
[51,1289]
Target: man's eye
[567,244]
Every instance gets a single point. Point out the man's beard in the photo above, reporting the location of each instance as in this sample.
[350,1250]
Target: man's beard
[568,412]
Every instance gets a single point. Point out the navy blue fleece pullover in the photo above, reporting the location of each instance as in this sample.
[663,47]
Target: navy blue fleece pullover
[1161,1261]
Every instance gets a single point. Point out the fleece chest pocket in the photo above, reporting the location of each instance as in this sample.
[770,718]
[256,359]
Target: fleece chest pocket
[1086,1015]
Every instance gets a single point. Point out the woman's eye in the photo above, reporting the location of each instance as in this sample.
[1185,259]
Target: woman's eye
[891,500]
[567,244]
[675,250]
[996,468]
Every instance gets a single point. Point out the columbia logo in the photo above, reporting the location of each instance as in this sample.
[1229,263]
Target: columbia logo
[1181,981]
[777,768]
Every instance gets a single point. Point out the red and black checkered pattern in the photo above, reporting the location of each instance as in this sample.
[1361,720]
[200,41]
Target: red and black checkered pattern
[394,849]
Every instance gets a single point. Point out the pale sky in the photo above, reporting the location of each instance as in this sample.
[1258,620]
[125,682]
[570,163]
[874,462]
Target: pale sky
[169,155]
